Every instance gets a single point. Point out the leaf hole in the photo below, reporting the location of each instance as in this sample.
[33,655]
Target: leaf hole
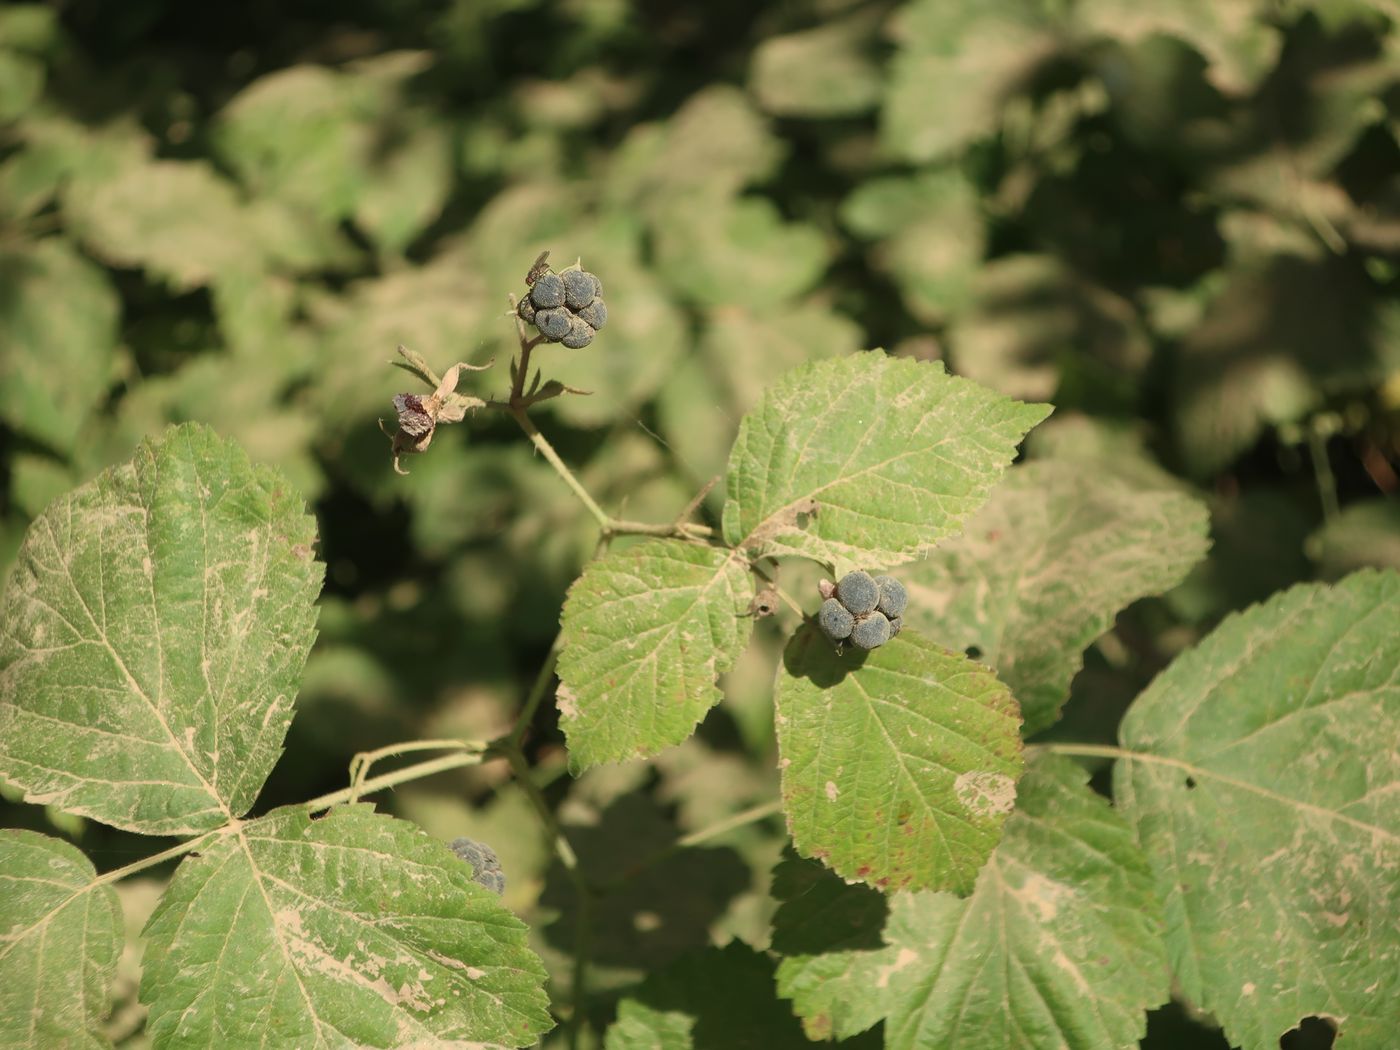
[1312,1033]
[974,652]
[1190,783]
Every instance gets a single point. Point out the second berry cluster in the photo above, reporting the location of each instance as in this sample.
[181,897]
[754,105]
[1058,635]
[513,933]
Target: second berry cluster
[865,610]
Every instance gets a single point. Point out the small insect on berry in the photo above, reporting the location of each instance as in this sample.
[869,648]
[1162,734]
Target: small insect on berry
[548,291]
[858,592]
[871,632]
[540,266]
[835,620]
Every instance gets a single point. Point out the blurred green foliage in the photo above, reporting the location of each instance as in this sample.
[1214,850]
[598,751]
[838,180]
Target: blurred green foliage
[1180,222]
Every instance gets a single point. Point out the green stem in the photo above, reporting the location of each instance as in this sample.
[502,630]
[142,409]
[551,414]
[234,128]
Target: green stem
[360,764]
[560,467]
[752,815]
[583,936]
[117,874]
[398,776]
[1322,472]
[535,696]
[1085,750]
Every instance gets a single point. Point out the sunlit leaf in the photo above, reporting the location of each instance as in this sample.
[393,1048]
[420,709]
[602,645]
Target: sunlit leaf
[899,769]
[929,236]
[1043,569]
[58,324]
[354,929]
[645,633]
[60,935]
[829,71]
[152,638]
[1261,780]
[866,460]
[955,65]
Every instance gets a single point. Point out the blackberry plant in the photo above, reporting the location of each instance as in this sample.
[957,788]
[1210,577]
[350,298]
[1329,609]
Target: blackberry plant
[947,881]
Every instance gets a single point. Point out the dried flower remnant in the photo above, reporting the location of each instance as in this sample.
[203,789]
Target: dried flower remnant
[419,415]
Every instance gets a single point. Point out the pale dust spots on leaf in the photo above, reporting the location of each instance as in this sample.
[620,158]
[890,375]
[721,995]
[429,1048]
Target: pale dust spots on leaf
[1248,989]
[832,791]
[566,701]
[1042,895]
[906,957]
[985,794]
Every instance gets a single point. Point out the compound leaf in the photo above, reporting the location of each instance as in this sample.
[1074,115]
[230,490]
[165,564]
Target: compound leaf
[1262,781]
[867,460]
[1044,567]
[1059,945]
[60,935]
[353,930]
[152,638]
[898,770]
[645,632]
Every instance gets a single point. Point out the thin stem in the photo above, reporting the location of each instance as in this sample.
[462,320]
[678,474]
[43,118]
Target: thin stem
[360,764]
[535,696]
[560,467]
[521,768]
[1084,750]
[117,874]
[1322,472]
[681,529]
[752,815]
[788,599]
[398,776]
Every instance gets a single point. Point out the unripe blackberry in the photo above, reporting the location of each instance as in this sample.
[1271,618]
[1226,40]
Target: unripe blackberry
[525,309]
[486,866]
[580,334]
[871,632]
[580,288]
[548,291]
[858,592]
[893,596]
[553,324]
[896,624]
[834,620]
[595,313]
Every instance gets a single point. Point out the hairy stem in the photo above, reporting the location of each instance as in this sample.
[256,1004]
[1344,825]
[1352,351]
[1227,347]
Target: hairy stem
[397,777]
[189,846]
[360,764]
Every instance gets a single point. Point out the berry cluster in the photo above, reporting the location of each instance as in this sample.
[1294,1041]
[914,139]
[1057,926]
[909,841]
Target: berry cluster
[566,307]
[865,610]
[486,866]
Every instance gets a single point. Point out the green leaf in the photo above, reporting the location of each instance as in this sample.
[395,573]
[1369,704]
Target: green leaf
[829,71]
[298,135]
[21,84]
[713,1000]
[955,65]
[899,769]
[1364,534]
[827,933]
[719,250]
[353,930]
[1261,780]
[1043,569]
[1233,34]
[60,935]
[1033,320]
[930,233]
[152,637]
[58,322]
[740,355]
[409,185]
[645,632]
[180,220]
[1059,945]
[867,460]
